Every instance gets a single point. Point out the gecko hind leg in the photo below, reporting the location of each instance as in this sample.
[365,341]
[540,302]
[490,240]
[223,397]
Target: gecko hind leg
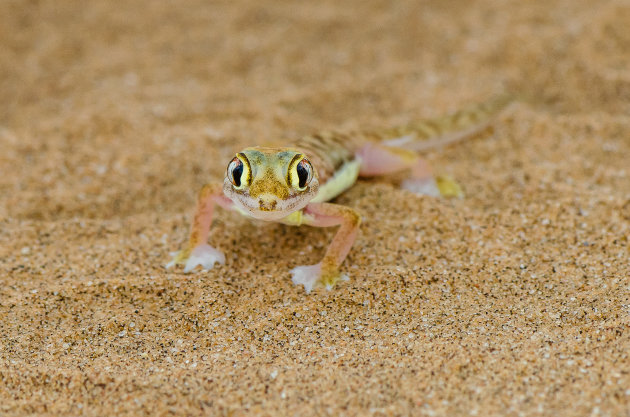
[378,159]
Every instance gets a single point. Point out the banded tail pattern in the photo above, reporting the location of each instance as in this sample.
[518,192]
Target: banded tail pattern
[441,131]
[329,150]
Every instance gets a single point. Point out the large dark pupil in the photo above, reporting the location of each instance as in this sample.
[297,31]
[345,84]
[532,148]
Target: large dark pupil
[237,172]
[302,175]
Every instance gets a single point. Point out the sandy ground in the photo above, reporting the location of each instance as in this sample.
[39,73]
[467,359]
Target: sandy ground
[512,301]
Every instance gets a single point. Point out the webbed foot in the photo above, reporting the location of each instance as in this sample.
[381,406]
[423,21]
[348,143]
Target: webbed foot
[311,276]
[441,186]
[204,255]
[422,186]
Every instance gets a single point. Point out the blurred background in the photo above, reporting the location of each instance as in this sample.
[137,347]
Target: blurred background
[510,301]
[116,107]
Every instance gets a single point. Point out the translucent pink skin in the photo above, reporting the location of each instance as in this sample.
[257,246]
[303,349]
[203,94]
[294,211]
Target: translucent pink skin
[198,252]
[378,159]
[205,217]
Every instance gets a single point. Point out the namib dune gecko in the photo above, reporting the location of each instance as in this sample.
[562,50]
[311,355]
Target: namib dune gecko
[292,184]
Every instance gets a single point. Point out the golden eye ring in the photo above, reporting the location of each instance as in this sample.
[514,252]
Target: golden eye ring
[304,171]
[238,172]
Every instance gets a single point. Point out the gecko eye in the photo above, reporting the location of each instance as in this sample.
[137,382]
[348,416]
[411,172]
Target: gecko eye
[235,171]
[304,172]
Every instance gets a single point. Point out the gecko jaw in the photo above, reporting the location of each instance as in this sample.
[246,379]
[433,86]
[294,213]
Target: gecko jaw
[269,208]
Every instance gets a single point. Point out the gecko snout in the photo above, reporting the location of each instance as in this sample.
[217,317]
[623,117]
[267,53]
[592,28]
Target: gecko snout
[267,203]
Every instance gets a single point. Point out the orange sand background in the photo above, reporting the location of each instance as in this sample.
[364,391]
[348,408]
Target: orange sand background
[512,301]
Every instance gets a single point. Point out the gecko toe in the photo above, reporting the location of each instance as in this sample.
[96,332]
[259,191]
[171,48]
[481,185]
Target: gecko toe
[306,275]
[310,277]
[204,255]
[424,186]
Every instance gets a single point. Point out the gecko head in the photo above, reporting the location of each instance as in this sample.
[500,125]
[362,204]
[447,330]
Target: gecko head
[270,183]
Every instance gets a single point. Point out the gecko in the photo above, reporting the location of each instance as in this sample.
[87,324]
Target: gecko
[294,184]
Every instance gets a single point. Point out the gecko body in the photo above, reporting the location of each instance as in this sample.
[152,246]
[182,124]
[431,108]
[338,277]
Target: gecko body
[293,184]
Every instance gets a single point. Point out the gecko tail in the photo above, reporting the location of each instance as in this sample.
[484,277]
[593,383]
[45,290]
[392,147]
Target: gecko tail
[442,131]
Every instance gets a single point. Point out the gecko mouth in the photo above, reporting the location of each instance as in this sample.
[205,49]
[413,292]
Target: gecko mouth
[270,209]
[266,205]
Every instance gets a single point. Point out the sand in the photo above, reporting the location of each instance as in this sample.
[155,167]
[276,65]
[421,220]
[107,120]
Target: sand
[514,300]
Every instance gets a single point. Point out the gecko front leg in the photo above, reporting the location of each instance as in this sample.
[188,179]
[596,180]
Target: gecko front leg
[327,272]
[197,251]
